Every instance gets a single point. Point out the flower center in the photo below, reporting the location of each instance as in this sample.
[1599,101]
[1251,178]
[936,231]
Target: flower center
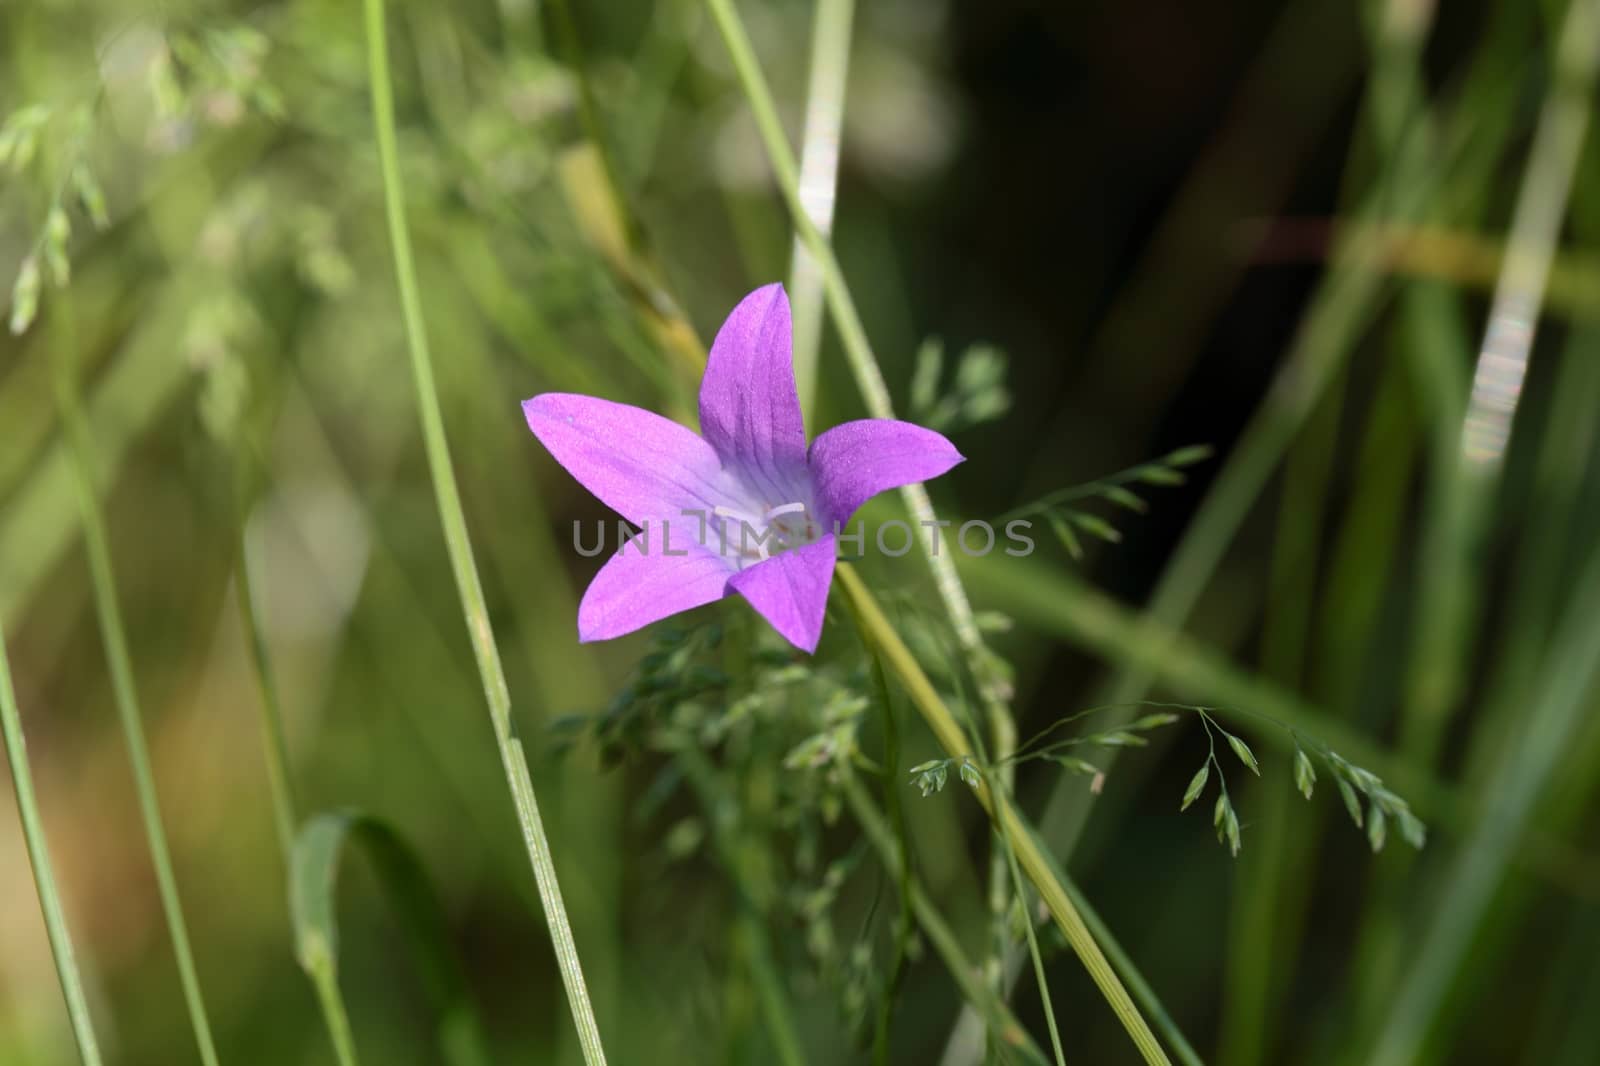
[753,536]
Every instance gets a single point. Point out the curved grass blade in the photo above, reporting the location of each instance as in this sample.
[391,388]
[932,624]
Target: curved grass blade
[44,878]
[313,904]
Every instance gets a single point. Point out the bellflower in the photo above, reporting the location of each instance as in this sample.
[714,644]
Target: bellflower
[745,507]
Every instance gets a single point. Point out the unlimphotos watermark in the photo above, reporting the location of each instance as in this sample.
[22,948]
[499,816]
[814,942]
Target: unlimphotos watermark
[753,537]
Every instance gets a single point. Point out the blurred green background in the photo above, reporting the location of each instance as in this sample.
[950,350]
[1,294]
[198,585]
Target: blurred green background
[1277,228]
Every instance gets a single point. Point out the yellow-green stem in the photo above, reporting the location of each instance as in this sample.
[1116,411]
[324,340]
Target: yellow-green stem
[947,730]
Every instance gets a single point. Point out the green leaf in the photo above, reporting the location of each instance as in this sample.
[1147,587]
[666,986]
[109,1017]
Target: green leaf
[57,231]
[1123,498]
[930,777]
[1351,802]
[1076,765]
[90,195]
[1231,828]
[1152,474]
[313,879]
[1197,785]
[969,774]
[1067,537]
[1095,526]
[1220,812]
[1188,456]
[1246,756]
[993,622]
[1377,827]
[1117,739]
[1305,775]
[1411,828]
[25,296]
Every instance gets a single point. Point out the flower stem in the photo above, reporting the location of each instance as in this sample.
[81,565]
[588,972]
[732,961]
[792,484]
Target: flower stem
[473,606]
[1030,855]
[44,878]
[103,582]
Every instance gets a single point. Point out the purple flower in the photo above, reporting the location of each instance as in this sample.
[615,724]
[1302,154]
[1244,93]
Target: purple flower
[744,508]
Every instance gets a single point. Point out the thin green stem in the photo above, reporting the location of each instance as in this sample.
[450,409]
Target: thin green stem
[120,663]
[326,980]
[819,181]
[902,864]
[1008,1031]
[44,877]
[473,606]
[274,745]
[275,752]
[1257,914]
[1030,854]
[1033,940]
[748,929]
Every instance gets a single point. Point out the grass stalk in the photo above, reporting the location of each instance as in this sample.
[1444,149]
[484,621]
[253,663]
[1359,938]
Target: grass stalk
[274,745]
[964,971]
[453,520]
[819,181]
[1030,854]
[325,979]
[1257,911]
[749,930]
[44,877]
[1451,607]
[120,664]
[1033,944]
[275,753]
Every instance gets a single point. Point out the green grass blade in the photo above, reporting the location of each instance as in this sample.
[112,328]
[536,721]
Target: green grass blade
[473,606]
[819,181]
[1031,854]
[120,664]
[44,877]
[994,1010]
[313,898]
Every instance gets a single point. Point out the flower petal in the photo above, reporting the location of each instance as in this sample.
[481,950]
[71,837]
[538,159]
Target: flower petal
[853,462]
[790,590]
[636,588]
[639,464]
[749,409]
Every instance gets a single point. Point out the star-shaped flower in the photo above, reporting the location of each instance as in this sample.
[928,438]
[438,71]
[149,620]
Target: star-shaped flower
[746,507]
